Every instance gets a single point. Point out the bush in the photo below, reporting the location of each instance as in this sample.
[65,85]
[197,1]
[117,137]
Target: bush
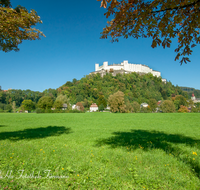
[76,111]
[167,106]
[195,110]
[136,107]
[58,104]
[183,109]
[39,110]
[101,107]
[48,111]
[1,111]
[145,110]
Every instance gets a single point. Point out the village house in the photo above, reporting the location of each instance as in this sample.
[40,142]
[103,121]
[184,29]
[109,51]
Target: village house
[93,107]
[64,107]
[144,105]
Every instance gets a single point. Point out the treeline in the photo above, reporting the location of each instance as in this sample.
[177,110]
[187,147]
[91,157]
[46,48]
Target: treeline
[191,91]
[10,98]
[95,89]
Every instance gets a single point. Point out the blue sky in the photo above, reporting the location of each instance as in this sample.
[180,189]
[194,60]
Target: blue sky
[72,47]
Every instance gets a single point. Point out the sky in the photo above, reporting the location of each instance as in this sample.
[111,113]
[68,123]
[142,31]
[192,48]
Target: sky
[72,46]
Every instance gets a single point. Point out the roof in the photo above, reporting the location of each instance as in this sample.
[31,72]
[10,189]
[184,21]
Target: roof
[144,103]
[94,105]
[64,105]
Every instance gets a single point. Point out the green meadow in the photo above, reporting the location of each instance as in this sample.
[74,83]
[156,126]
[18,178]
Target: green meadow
[100,151]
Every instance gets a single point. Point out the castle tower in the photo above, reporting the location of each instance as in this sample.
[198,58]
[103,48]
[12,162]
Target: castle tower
[105,64]
[126,65]
[96,66]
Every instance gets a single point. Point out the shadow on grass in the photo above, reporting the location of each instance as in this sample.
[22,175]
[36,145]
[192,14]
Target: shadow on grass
[148,140]
[3,125]
[36,133]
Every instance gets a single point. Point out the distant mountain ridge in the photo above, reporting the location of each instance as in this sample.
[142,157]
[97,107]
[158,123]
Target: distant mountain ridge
[191,91]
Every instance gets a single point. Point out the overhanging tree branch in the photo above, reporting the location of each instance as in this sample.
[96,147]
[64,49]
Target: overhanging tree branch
[178,7]
[136,18]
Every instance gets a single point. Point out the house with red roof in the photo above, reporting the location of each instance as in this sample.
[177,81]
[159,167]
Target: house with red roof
[93,107]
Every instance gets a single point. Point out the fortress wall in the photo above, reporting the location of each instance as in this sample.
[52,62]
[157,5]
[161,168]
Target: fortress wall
[156,73]
[127,67]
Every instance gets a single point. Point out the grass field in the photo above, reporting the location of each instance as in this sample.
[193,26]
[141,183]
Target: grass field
[100,151]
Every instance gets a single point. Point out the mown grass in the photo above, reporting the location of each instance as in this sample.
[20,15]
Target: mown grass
[100,151]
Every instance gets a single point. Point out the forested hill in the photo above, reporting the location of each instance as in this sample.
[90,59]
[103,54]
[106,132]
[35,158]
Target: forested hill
[89,89]
[136,87]
[190,91]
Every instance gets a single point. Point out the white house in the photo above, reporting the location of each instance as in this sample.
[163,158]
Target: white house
[64,107]
[74,107]
[93,107]
[144,105]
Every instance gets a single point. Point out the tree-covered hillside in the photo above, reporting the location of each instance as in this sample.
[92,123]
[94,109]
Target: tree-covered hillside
[136,87]
[94,89]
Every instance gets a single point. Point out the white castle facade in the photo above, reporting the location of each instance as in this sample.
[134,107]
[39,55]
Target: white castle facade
[129,67]
[124,67]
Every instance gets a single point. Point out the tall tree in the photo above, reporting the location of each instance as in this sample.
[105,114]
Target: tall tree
[64,99]
[167,106]
[159,19]
[116,102]
[79,106]
[101,100]
[16,25]
[58,104]
[28,105]
[14,106]
[153,104]
[136,107]
[46,102]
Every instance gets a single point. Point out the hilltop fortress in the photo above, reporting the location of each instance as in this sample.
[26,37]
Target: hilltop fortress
[124,67]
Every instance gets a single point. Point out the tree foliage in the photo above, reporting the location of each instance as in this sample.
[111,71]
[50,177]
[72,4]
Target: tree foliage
[102,101]
[152,104]
[101,107]
[183,109]
[14,106]
[28,105]
[58,104]
[116,102]
[167,106]
[16,25]
[179,101]
[46,102]
[63,99]
[160,20]
[18,96]
[136,87]
[136,107]
[79,106]
[94,88]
